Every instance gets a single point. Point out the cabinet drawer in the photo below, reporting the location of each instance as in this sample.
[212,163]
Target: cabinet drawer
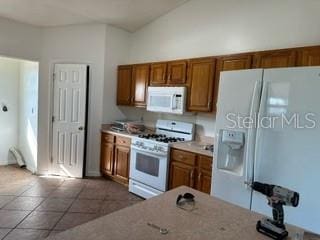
[184,157]
[106,137]
[205,163]
[123,141]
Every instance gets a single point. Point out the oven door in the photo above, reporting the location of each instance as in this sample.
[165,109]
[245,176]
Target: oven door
[149,168]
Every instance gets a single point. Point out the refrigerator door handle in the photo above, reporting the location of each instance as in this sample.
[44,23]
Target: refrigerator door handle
[258,132]
[251,139]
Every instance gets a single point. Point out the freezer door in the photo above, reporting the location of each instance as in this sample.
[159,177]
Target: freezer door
[239,96]
[288,152]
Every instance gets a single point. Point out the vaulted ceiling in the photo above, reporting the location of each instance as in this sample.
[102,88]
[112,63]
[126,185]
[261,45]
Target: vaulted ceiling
[127,14]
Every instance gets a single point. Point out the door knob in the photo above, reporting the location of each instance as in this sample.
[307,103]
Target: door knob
[81,128]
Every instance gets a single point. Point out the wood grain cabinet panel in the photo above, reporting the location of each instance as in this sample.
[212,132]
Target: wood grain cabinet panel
[200,84]
[275,59]
[124,85]
[177,72]
[190,169]
[309,56]
[115,157]
[181,175]
[158,73]
[107,154]
[140,82]
[183,156]
[121,163]
[230,63]
[204,181]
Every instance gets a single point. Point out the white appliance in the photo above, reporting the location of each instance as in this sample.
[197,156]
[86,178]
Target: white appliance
[149,162]
[166,99]
[285,153]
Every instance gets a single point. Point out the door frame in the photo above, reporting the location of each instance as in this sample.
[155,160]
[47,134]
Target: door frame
[35,60]
[51,108]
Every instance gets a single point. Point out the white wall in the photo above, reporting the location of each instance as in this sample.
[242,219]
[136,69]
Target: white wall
[28,112]
[116,53]
[9,91]
[19,40]
[72,44]
[213,27]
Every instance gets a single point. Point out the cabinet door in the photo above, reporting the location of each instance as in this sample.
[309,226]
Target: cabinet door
[124,85]
[158,73]
[200,84]
[309,56]
[204,173]
[177,72]
[275,59]
[181,174]
[229,63]
[204,181]
[107,155]
[121,163]
[140,81]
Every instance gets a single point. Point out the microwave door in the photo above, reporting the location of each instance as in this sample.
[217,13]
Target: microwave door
[160,103]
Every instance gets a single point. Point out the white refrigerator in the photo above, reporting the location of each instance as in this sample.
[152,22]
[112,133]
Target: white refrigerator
[268,130]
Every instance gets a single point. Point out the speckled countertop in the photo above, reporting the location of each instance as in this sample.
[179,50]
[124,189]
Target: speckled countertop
[106,128]
[211,219]
[193,146]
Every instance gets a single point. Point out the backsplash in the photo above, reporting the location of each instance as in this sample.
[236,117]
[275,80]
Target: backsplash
[205,122]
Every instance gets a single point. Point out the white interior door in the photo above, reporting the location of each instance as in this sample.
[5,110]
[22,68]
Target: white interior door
[69,115]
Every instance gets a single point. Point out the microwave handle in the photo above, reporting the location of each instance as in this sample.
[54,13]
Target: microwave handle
[174,102]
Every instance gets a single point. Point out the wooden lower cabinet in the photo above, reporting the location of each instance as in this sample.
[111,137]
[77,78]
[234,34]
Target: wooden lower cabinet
[190,169]
[204,181]
[106,162]
[181,174]
[115,157]
[121,163]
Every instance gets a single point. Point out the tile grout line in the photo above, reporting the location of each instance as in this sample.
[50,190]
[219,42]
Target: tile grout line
[66,211]
[45,198]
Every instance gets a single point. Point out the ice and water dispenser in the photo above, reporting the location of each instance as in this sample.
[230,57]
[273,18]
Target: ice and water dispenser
[231,151]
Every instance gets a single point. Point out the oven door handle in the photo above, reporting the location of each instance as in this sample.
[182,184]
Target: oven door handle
[148,151]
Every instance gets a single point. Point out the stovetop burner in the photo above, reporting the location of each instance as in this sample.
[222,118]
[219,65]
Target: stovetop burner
[161,138]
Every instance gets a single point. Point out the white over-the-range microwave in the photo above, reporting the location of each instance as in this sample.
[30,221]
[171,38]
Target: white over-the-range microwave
[166,99]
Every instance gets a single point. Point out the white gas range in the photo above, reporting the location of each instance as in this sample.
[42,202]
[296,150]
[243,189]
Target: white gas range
[149,162]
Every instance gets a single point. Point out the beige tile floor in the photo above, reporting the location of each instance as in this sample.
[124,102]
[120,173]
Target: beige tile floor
[33,207]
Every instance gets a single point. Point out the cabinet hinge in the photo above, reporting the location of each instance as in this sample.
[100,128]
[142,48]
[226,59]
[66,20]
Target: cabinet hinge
[53,118]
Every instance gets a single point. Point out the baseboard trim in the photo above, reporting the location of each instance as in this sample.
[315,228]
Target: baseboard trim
[93,174]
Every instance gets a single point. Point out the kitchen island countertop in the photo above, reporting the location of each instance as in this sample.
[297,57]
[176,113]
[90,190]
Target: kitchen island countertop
[210,219]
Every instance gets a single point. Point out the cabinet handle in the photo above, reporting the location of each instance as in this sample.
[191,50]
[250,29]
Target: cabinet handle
[209,104]
[169,77]
[191,178]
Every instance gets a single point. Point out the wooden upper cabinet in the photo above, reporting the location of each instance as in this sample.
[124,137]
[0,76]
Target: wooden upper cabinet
[229,63]
[177,72]
[124,85]
[275,59]
[140,82]
[309,56]
[200,84]
[158,73]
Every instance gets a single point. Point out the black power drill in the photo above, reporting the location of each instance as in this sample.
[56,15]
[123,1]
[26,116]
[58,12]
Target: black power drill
[277,197]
